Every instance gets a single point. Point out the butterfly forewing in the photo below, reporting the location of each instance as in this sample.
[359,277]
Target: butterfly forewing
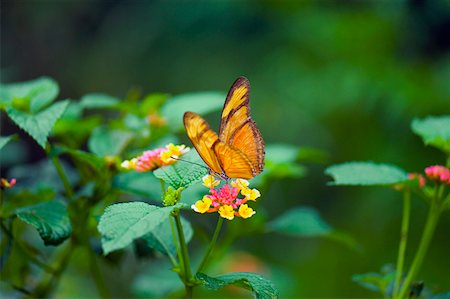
[238,151]
[203,139]
[237,129]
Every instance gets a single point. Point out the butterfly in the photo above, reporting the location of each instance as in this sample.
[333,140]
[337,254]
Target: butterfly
[238,150]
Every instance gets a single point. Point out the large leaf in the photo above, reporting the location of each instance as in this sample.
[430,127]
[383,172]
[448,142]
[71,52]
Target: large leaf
[184,173]
[366,173]
[97,101]
[307,222]
[50,219]
[200,102]
[122,223]
[4,141]
[39,125]
[37,93]
[140,183]
[261,287]
[300,222]
[106,142]
[161,238]
[434,131]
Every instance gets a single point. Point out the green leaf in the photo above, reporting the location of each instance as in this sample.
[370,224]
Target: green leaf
[38,126]
[434,131]
[261,287]
[366,173]
[51,220]
[4,140]
[200,102]
[36,93]
[300,222]
[282,153]
[182,174]
[122,223]
[140,183]
[94,161]
[105,142]
[161,238]
[98,101]
[374,281]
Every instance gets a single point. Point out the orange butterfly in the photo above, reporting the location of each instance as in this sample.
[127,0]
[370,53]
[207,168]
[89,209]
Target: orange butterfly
[238,151]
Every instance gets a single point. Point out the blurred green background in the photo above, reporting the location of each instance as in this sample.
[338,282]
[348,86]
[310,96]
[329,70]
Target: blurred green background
[344,77]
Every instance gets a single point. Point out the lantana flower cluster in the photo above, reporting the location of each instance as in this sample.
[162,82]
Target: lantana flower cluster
[151,160]
[5,184]
[436,173]
[226,200]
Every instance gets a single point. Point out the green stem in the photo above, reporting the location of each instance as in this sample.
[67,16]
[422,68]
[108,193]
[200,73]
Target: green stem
[430,225]
[184,255]
[63,177]
[211,244]
[403,240]
[97,275]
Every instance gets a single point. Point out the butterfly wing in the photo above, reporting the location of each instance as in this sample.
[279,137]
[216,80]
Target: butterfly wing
[239,132]
[234,162]
[203,139]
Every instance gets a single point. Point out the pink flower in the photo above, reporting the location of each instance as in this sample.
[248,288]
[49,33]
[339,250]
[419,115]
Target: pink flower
[420,179]
[226,200]
[5,184]
[438,173]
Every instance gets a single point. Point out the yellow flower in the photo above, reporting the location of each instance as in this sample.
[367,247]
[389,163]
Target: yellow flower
[240,184]
[250,194]
[129,164]
[202,206]
[209,181]
[173,151]
[226,212]
[245,211]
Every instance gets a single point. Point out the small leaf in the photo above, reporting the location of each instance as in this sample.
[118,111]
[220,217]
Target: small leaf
[182,174]
[4,140]
[375,282]
[51,220]
[366,173]
[161,238]
[200,102]
[38,126]
[94,161]
[434,131]
[105,142]
[122,223]
[261,287]
[37,93]
[98,101]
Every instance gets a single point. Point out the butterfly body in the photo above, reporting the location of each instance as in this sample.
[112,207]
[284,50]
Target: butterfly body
[238,150]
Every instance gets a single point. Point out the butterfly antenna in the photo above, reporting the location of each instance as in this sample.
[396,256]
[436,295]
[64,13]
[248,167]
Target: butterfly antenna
[175,158]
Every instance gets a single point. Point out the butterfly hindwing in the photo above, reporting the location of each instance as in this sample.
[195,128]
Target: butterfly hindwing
[203,139]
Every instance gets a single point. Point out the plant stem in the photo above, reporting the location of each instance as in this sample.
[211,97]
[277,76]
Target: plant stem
[211,244]
[63,177]
[403,240]
[184,255]
[97,275]
[430,225]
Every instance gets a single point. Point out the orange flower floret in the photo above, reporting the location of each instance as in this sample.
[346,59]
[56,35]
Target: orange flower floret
[226,200]
[151,160]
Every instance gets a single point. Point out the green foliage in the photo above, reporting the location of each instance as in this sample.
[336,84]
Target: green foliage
[300,222]
[31,95]
[122,223]
[161,238]
[4,141]
[435,131]
[200,102]
[106,142]
[375,282]
[38,125]
[261,287]
[140,183]
[51,220]
[97,101]
[184,173]
[366,173]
